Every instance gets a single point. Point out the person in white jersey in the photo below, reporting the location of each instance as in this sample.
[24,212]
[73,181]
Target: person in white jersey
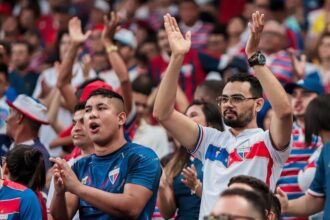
[243,148]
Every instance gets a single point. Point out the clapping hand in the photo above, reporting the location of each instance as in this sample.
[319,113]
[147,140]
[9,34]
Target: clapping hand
[110,28]
[75,31]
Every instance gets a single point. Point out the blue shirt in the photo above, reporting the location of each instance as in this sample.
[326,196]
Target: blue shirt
[188,205]
[132,163]
[18,202]
[321,182]
[23,84]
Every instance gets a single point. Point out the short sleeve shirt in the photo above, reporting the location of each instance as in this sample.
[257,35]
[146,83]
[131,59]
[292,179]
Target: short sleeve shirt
[132,164]
[225,155]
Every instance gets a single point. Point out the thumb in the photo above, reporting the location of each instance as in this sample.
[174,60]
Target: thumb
[280,192]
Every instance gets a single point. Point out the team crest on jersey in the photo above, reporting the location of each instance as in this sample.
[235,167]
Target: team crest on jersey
[243,150]
[113,175]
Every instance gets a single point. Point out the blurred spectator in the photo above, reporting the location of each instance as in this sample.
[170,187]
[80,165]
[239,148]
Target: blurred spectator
[317,123]
[209,91]
[10,30]
[4,110]
[235,28]
[248,205]
[324,59]
[100,9]
[189,21]
[21,77]
[140,131]
[24,177]
[302,93]
[24,121]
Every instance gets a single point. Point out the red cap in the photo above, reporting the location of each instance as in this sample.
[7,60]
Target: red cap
[91,87]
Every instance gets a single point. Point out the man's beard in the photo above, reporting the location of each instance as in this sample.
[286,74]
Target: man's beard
[240,121]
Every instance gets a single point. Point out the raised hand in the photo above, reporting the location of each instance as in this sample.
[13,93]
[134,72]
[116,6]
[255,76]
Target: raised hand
[110,27]
[179,45]
[190,177]
[75,31]
[256,26]
[299,65]
[283,198]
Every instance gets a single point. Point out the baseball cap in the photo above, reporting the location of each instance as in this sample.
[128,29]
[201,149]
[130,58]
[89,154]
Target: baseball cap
[30,108]
[102,6]
[311,82]
[126,37]
[93,86]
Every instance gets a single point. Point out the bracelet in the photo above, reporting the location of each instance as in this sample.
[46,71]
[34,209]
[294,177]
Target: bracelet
[112,48]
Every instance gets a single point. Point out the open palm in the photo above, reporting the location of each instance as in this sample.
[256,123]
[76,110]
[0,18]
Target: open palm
[256,26]
[75,31]
[178,44]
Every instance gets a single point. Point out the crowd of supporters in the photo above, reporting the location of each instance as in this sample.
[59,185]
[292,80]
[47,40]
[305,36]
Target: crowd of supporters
[164,109]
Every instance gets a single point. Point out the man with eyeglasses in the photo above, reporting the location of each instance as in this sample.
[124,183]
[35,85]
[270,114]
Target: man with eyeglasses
[243,148]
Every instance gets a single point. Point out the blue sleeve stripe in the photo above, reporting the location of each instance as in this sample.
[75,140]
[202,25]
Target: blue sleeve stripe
[199,140]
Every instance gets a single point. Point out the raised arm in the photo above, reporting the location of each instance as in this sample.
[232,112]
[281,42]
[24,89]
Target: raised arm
[180,126]
[65,70]
[115,59]
[281,121]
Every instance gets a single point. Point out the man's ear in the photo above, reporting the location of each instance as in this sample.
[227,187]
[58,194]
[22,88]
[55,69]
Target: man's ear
[259,104]
[20,117]
[121,118]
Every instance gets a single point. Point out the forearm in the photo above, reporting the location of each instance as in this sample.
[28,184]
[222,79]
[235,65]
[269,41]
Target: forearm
[58,208]
[65,71]
[119,205]
[182,102]
[166,95]
[166,202]
[121,71]
[305,206]
[274,91]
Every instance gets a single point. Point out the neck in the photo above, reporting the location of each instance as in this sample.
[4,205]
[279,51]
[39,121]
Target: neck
[112,146]
[24,135]
[130,63]
[325,135]
[234,40]
[237,131]
[326,64]
[87,150]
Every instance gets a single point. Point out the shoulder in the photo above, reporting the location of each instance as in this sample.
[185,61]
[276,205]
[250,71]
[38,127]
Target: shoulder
[14,185]
[140,151]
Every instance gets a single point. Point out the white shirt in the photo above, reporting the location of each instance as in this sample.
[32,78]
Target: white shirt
[225,156]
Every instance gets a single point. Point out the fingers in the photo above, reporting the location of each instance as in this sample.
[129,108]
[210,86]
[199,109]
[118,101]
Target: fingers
[188,36]
[280,192]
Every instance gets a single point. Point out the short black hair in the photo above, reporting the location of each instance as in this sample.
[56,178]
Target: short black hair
[253,198]
[256,88]
[214,87]
[275,206]
[142,84]
[106,93]
[80,106]
[256,184]
[188,1]
[220,29]
[4,70]
[317,117]
[26,43]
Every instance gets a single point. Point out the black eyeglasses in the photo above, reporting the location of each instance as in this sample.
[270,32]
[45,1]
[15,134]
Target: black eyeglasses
[228,217]
[234,99]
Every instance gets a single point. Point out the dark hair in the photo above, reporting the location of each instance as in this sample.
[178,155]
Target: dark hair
[317,117]
[106,93]
[275,206]
[25,43]
[188,1]
[256,88]
[4,70]
[220,29]
[212,114]
[257,185]
[255,200]
[213,87]
[33,125]
[80,106]
[142,84]
[26,166]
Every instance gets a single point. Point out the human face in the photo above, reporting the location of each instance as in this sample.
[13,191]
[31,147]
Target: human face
[217,43]
[20,56]
[103,120]
[196,113]
[126,52]
[163,41]
[141,104]
[242,208]
[238,115]
[235,27]
[79,135]
[12,122]
[324,49]
[64,45]
[189,13]
[300,99]
[3,84]
[272,39]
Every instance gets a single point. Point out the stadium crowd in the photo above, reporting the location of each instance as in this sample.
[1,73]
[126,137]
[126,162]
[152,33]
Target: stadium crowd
[165,109]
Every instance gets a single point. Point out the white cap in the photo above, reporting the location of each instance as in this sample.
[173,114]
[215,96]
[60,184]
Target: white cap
[102,6]
[30,108]
[126,37]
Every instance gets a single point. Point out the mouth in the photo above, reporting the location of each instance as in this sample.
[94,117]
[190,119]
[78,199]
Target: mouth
[94,127]
[229,113]
[77,136]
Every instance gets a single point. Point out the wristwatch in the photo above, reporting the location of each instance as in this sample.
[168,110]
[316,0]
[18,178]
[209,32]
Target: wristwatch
[257,59]
[112,48]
